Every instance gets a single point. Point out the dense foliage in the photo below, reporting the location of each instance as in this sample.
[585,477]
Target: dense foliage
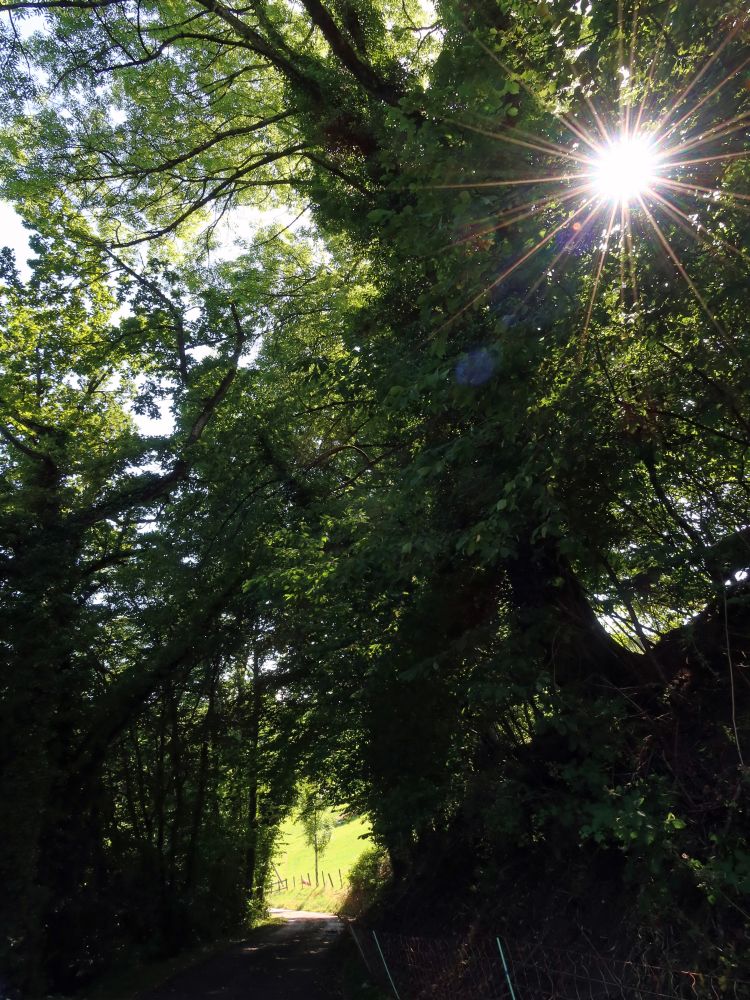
[469,552]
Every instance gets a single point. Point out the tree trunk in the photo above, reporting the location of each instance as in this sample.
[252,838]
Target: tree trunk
[253,820]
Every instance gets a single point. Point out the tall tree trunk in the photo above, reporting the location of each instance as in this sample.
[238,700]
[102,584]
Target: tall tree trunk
[202,781]
[253,821]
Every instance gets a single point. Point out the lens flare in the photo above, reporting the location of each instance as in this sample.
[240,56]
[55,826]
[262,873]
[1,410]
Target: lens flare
[625,169]
[648,156]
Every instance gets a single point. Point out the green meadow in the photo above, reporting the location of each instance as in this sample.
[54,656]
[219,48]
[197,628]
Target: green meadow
[295,860]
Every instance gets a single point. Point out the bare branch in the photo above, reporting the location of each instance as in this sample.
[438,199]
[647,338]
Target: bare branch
[331,452]
[209,407]
[336,171]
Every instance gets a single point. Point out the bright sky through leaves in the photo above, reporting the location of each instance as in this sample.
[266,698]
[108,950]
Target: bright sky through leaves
[13,235]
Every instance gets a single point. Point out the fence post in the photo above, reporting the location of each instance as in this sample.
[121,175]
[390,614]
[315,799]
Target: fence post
[330,879]
[341,881]
[385,965]
[505,969]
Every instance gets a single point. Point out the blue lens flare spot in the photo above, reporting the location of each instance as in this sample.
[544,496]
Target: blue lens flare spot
[475,368]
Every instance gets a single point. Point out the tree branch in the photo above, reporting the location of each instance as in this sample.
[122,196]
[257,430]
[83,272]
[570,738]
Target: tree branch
[153,487]
[37,456]
[203,147]
[213,195]
[127,693]
[49,4]
[345,53]
[258,44]
[174,311]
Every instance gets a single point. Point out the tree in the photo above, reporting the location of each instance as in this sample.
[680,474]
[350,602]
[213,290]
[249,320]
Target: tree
[316,822]
[123,610]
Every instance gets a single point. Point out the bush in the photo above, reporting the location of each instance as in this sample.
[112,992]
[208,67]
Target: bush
[367,876]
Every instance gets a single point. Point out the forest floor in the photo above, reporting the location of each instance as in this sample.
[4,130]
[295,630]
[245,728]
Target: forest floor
[290,961]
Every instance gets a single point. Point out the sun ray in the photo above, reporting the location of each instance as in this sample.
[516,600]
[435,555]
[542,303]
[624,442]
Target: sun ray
[655,59]
[561,253]
[623,283]
[539,245]
[603,131]
[510,216]
[661,124]
[709,159]
[631,256]
[518,182]
[697,230]
[595,286]
[531,141]
[707,97]
[735,124]
[631,62]
[570,123]
[517,214]
[512,210]
[689,187]
[685,276]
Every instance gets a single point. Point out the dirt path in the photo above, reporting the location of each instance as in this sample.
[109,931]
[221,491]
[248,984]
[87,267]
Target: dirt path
[286,962]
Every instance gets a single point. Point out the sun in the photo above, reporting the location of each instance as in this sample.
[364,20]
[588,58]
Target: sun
[624,169]
[640,163]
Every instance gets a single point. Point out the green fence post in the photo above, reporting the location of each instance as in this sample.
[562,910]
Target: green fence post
[505,968]
[385,965]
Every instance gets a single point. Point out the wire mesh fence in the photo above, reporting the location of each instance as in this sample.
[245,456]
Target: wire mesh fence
[415,968]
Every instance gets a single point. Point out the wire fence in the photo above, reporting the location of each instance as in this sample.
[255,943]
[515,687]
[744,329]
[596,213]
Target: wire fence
[414,968]
[306,880]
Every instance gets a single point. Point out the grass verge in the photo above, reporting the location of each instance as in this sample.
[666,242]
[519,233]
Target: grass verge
[312,898]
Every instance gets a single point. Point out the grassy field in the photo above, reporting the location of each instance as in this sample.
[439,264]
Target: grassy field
[294,859]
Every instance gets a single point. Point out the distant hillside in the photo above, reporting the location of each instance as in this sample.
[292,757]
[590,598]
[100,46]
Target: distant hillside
[294,861]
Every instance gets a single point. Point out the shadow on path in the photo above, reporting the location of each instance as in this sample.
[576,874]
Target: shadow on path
[292,961]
